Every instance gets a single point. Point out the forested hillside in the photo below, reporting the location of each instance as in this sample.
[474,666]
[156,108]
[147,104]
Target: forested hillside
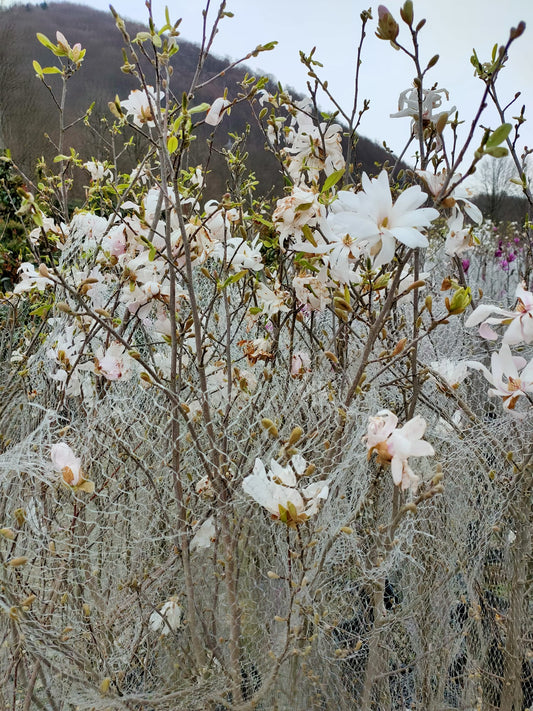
[29,118]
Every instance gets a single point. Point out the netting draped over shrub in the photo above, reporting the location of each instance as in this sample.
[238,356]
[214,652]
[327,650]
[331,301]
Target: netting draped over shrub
[254,452]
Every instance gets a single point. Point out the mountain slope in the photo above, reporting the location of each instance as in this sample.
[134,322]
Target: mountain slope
[28,113]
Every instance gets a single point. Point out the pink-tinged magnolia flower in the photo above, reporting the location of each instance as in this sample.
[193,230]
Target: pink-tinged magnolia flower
[168,618]
[140,105]
[300,364]
[510,376]
[216,112]
[68,465]
[113,363]
[374,222]
[519,322]
[277,491]
[395,446]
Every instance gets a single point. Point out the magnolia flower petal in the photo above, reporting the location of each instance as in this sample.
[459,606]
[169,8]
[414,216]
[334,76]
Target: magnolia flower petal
[409,236]
[483,311]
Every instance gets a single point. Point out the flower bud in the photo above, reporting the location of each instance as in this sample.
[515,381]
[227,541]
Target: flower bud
[17,562]
[406,12]
[388,28]
[270,427]
[295,436]
[459,301]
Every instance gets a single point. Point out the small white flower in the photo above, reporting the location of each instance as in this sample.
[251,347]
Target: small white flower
[277,491]
[66,463]
[216,112]
[451,371]
[140,105]
[511,376]
[204,535]
[98,170]
[168,618]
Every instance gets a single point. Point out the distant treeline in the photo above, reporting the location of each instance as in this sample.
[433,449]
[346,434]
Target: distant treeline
[29,118]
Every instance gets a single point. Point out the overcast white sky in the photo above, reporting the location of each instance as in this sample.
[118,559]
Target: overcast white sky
[453,28]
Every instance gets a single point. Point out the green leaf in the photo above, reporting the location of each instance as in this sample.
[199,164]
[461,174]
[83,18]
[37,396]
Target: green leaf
[200,108]
[43,39]
[497,152]
[152,253]
[499,135]
[38,69]
[262,221]
[51,70]
[142,37]
[303,206]
[332,180]
[233,278]
[172,144]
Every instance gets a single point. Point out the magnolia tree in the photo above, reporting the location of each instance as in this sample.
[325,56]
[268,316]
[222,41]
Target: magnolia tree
[255,453]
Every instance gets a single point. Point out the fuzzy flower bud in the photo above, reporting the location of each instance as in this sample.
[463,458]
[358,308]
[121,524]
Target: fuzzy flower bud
[388,28]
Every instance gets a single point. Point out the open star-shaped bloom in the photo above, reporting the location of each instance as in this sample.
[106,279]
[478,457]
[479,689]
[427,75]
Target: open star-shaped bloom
[277,491]
[395,446]
[519,322]
[140,105]
[376,223]
[511,376]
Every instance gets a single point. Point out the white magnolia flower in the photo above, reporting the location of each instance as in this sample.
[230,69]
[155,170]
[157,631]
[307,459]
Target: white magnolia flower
[98,170]
[409,106]
[460,194]
[519,322]
[277,491]
[298,209]
[68,465]
[240,254]
[168,618]
[140,105]
[511,376]
[31,278]
[371,219]
[395,446]
[312,148]
[271,301]
[451,371]
[312,290]
[49,226]
[204,535]
[216,112]
[459,238]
